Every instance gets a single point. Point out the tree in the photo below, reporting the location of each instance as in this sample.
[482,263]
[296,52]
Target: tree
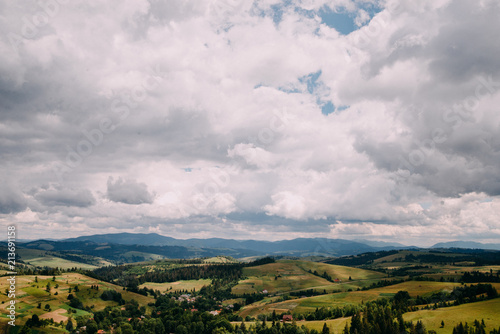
[181,330]
[325,330]
[34,321]
[69,325]
[442,323]
[126,328]
[243,328]
[76,303]
[24,330]
[91,327]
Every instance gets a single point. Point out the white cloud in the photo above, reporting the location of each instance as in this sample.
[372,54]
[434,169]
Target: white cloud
[211,109]
[128,192]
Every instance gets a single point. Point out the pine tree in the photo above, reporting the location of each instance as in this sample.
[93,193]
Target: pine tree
[69,325]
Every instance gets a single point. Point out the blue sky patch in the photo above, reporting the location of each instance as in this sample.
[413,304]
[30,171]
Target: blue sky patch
[327,108]
[311,80]
[343,21]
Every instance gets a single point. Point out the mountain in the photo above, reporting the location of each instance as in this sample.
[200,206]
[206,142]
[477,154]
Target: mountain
[122,253]
[381,243]
[295,247]
[466,244]
[149,239]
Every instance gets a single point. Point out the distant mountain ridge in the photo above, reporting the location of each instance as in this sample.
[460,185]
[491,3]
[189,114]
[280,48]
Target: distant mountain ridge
[299,246]
[467,244]
[242,248]
[136,247]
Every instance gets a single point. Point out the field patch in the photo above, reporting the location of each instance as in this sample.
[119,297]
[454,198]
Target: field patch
[292,275]
[309,304]
[57,315]
[488,310]
[188,285]
[29,296]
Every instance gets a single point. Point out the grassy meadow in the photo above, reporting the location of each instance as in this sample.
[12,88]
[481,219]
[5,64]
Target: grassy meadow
[29,294]
[177,286]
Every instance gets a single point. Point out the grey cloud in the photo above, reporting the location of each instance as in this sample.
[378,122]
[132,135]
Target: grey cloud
[463,47]
[460,52]
[11,200]
[66,197]
[128,192]
[62,83]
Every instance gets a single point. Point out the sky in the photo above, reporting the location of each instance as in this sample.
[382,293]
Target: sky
[265,119]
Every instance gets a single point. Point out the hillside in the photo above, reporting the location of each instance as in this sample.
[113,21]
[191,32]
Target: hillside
[32,291]
[122,253]
[294,275]
[319,292]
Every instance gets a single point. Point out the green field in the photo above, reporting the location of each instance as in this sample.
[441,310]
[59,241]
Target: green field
[220,259]
[279,279]
[52,261]
[41,258]
[177,286]
[335,325]
[291,275]
[30,293]
[488,310]
[309,304]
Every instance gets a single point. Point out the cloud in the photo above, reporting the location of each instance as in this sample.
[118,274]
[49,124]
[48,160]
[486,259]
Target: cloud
[66,197]
[11,199]
[217,110]
[128,192]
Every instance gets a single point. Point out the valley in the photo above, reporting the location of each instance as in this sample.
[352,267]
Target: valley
[60,290]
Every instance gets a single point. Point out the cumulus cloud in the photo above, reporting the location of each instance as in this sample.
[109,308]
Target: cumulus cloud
[66,197]
[240,117]
[128,192]
[11,199]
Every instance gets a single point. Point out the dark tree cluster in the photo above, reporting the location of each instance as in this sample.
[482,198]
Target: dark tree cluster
[479,277]
[477,327]
[459,295]
[113,295]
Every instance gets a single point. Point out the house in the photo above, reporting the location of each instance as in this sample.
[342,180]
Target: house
[265,292]
[101,331]
[287,317]
[214,312]
[337,280]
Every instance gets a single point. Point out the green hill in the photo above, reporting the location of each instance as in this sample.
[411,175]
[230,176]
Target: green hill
[294,275]
[30,293]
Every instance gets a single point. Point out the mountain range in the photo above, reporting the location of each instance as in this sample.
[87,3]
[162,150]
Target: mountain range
[133,247]
[467,244]
[299,246]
